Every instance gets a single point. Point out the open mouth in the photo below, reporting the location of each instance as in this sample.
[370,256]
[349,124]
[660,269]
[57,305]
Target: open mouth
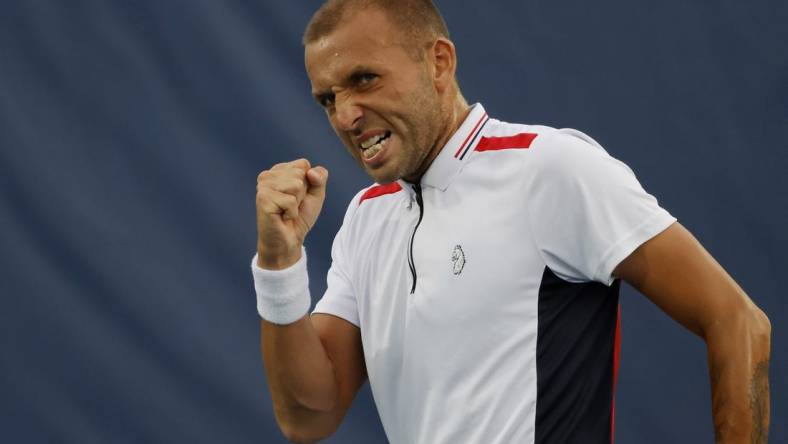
[373,145]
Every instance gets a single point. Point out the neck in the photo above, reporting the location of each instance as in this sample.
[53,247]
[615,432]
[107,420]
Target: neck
[456,113]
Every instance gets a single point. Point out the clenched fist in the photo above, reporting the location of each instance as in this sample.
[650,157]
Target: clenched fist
[289,198]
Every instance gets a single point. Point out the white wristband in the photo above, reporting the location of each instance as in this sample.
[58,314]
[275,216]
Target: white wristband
[282,295]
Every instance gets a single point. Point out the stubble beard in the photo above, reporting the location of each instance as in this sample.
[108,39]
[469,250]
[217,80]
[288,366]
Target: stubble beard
[424,122]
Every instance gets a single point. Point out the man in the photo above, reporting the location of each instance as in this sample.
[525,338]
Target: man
[477,285]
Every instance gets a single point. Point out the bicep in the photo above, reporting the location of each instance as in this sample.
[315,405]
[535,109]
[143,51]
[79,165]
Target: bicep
[342,343]
[676,273]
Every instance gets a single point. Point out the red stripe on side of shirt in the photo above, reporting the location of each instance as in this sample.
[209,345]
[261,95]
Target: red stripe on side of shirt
[616,360]
[473,131]
[380,190]
[519,141]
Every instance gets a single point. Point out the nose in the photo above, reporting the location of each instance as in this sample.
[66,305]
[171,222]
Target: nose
[348,113]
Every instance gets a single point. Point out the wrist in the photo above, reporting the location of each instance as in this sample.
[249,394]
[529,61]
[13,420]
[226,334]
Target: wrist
[268,261]
[282,294]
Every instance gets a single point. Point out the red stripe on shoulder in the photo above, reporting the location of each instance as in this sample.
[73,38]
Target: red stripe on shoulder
[380,190]
[519,141]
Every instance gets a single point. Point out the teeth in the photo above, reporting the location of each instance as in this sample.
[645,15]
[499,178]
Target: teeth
[370,152]
[371,141]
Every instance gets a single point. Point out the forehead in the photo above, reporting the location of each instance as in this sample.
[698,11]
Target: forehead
[363,38]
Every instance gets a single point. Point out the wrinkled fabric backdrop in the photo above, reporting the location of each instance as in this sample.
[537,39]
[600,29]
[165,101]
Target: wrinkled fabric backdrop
[131,135]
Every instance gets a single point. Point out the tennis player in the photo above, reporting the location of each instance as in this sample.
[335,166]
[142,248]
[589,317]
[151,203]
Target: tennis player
[475,285]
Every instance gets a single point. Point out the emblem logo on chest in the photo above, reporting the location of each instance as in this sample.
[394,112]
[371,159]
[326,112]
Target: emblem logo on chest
[458,259]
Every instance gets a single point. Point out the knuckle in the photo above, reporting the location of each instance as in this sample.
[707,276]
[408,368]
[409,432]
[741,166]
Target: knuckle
[301,163]
[264,176]
[290,182]
[296,171]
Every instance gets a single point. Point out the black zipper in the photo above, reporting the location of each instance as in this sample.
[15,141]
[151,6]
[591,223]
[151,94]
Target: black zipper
[411,263]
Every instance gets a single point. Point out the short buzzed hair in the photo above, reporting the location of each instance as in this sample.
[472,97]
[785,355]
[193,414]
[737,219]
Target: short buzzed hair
[419,20]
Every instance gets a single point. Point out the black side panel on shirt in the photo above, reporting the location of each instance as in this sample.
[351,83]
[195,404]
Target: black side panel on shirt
[574,360]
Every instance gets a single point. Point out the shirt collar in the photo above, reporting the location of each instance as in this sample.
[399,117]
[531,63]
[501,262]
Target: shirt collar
[456,151]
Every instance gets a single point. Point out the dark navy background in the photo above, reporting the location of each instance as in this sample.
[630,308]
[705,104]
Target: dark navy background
[131,135]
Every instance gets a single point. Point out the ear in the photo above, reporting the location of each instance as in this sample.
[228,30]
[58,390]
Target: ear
[444,60]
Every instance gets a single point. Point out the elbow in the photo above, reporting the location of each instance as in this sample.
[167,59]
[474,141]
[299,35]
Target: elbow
[746,325]
[761,330]
[307,419]
[299,436]
[319,403]
[752,323]
[303,426]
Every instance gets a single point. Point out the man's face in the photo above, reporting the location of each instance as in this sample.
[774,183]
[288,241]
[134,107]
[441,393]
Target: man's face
[380,101]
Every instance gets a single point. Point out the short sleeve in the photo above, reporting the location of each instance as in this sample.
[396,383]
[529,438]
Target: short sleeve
[340,299]
[587,211]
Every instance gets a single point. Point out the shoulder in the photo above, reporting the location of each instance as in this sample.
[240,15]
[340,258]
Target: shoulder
[372,198]
[540,149]
[567,155]
[376,191]
[566,149]
[500,136]
[544,142]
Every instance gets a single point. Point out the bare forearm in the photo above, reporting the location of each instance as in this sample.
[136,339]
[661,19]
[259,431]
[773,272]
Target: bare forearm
[300,377]
[738,352]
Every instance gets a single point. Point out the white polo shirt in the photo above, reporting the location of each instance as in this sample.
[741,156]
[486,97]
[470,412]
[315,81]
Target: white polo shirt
[487,309]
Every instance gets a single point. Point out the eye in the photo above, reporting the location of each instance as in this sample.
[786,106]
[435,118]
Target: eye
[364,78]
[326,100]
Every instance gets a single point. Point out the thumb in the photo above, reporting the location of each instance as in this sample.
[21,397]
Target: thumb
[317,178]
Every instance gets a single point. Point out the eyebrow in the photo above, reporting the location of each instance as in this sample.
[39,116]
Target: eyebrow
[352,78]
